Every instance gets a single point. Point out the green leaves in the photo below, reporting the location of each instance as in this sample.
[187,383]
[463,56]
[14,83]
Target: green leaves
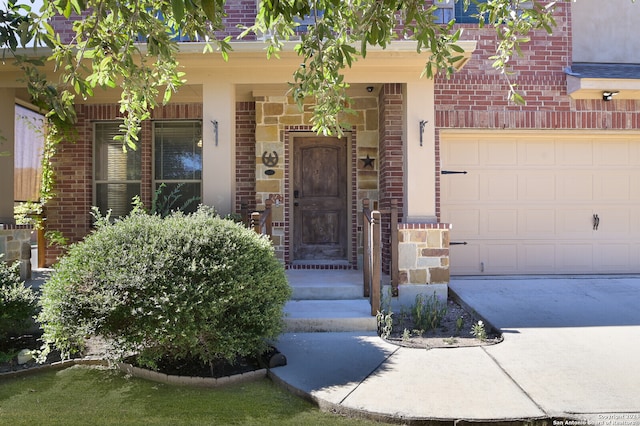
[195,284]
[105,49]
[178,9]
[17,303]
[209,7]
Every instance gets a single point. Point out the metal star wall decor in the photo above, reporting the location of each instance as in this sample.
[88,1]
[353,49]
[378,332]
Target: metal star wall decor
[368,162]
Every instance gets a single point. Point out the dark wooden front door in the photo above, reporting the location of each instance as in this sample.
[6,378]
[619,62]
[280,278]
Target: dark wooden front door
[320,199]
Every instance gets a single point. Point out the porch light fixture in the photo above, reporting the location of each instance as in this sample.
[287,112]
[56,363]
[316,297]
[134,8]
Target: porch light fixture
[608,95]
[215,129]
[422,124]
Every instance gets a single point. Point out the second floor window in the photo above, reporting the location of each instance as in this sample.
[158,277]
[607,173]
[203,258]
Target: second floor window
[450,9]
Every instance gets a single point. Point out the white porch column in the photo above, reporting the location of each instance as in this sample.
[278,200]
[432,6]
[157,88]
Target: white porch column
[419,161]
[7,149]
[218,161]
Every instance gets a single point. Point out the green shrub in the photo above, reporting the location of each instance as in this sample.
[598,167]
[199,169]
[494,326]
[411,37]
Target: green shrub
[17,303]
[181,286]
[428,312]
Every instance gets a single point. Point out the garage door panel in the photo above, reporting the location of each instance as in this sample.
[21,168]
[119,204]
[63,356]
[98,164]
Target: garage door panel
[498,152]
[499,187]
[461,187]
[575,257]
[501,258]
[574,223]
[634,214]
[537,223]
[612,153]
[537,258]
[613,257]
[501,222]
[575,186]
[574,152]
[466,258]
[528,202]
[634,187]
[466,222]
[537,153]
[613,223]
[537,187]
[612,187]
[461,153]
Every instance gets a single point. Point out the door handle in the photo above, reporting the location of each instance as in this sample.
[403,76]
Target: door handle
[596,221]
[296,194]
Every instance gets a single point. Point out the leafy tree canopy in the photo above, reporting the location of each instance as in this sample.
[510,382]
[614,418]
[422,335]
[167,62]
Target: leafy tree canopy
[133,45]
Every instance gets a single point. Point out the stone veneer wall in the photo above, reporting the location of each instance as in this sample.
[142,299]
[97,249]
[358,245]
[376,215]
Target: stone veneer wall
[15,244]
[423,253]
[276,118]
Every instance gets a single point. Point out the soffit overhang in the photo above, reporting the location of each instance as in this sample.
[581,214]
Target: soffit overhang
[249,68]
[592,80]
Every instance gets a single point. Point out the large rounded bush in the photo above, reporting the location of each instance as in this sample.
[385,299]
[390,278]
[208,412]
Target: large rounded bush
[179,287]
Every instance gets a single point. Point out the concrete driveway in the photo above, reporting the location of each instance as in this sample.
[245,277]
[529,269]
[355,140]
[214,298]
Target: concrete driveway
[570,353]
[572,344]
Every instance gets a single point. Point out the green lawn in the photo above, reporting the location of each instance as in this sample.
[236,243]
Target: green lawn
[83,395]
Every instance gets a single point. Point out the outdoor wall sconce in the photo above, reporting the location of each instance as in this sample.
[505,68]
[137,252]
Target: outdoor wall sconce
[422,124]
[215,129]
[608,95]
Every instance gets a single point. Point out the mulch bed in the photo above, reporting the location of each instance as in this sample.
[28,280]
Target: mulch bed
[447,335]
[11,345]
[185,367]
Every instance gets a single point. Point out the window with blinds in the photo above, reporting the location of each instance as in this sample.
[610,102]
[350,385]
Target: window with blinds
[178,163]
[116,171]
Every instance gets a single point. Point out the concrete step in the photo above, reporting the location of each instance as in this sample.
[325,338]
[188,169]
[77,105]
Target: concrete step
[328,316]
[325,284]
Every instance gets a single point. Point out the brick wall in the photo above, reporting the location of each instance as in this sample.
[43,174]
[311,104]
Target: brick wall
[391,159]
[239,12]
[476,96]
[245,155]
[69,211]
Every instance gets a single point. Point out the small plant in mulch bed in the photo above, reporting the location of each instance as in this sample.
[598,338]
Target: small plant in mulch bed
[428,312]
[431,322]
[175,288]
[478,331]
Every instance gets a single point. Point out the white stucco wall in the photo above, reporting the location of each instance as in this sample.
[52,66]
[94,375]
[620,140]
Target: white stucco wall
[605,31]
[7,102]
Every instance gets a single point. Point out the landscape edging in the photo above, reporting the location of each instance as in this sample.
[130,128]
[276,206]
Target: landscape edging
[210,382]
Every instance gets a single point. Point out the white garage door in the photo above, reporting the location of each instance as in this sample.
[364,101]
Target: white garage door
[541,203]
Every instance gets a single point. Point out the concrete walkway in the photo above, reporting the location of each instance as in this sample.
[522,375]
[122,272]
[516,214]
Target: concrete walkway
[571,351]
